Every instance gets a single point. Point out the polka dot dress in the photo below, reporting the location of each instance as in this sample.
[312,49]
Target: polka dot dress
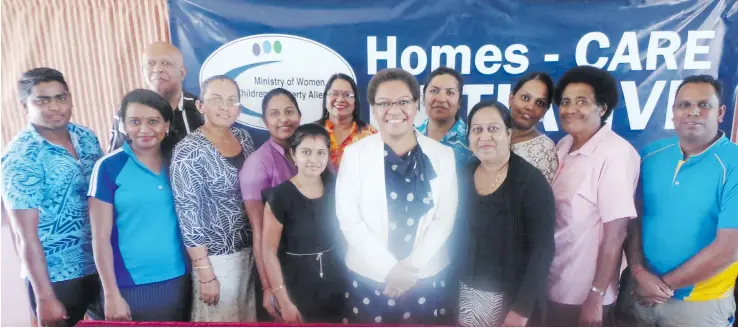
[407,181]
[424,304]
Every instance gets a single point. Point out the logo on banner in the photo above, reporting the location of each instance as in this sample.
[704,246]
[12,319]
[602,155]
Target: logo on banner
[260,63]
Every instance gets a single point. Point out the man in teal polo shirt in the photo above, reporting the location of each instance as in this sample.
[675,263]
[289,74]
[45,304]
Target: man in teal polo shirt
[682,250]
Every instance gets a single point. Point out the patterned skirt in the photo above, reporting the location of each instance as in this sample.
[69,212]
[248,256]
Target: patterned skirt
[479,308]
[237,300]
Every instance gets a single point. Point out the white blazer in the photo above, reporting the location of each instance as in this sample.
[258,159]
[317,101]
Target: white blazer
[361,207]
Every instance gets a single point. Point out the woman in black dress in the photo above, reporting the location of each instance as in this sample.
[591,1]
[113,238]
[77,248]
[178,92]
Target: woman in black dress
[302,243]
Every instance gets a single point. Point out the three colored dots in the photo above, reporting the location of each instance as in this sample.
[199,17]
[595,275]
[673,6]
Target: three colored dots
[267,47]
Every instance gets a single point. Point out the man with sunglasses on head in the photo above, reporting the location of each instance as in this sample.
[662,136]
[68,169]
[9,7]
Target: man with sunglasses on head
[45,171]
[163,68]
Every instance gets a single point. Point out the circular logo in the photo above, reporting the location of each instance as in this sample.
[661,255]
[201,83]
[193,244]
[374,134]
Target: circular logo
[260,63]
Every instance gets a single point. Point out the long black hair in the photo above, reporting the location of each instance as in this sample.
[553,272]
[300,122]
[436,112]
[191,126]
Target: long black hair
[276,92]
[357,103]
[447,71]
[154,100]
[538,76]
[313,130]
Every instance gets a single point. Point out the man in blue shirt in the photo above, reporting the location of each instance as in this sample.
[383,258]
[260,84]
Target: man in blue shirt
[46,170]
[682,250]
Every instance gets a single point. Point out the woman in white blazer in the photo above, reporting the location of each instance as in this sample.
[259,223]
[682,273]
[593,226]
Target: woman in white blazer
[396,199]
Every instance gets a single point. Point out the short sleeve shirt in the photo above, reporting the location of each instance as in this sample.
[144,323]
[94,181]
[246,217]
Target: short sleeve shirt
[267,167]
[40,175]
[456,139]
[685,203]
[146,241]
[593,185]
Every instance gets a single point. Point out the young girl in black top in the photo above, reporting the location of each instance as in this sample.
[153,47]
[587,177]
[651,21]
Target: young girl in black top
[302,240]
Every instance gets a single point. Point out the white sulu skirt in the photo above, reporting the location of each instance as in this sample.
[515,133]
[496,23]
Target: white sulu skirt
[237,299]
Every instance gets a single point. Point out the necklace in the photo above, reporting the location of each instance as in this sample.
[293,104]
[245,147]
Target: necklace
[497,180]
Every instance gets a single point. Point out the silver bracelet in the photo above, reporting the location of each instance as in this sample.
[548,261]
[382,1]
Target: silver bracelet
[596,290]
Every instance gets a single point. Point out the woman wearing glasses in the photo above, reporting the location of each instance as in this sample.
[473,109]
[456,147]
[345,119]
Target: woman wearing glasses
[341,115]
[212,216]
[396,198]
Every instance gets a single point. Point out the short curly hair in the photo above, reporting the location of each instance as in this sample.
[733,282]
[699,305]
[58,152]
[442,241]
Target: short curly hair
[604,85]
[392,74]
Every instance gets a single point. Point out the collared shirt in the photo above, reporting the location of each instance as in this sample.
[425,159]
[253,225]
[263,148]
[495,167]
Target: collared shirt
[146,241]
[207,195]
[456,139]
[685,203]
[594,185]
[354,135]
[186,120]
[267,167]
[40,175]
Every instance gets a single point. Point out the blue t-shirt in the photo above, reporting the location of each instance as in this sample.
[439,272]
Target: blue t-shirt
[684,205]
[146,240]
[40,175]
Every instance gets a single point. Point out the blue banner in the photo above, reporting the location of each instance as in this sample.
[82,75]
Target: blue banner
[649,46]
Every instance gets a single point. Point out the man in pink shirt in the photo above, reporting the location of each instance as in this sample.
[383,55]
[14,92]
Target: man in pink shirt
[594,190]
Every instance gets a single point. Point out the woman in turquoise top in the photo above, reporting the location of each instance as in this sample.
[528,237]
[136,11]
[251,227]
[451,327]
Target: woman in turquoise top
[442,101]
[135,234]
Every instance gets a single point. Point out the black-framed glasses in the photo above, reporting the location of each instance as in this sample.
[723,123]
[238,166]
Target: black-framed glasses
[402,104]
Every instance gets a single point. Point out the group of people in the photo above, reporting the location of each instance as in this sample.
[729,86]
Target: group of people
[477,222]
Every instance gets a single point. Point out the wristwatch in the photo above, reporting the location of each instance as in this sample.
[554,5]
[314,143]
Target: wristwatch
[596,290]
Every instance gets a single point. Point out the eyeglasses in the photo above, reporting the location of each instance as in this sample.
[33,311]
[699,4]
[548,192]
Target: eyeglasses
[218,102]
[46,100]
[345,94]
[402,104]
